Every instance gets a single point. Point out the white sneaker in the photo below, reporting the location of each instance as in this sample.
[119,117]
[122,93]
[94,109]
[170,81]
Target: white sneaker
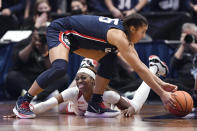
[162,67]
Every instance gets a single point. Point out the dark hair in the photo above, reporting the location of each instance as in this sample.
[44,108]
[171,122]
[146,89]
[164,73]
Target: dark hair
[136,20]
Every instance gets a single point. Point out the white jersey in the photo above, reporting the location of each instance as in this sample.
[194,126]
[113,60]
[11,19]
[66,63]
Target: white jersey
[76,103]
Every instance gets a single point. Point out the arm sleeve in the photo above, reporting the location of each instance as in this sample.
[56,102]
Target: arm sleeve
[140,96]
[70,94]
[111,97]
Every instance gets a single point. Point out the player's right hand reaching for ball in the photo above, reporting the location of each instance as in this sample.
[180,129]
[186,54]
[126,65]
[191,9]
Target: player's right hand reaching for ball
[168,100]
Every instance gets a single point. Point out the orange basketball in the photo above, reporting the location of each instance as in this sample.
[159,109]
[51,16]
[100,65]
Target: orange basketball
[184,104]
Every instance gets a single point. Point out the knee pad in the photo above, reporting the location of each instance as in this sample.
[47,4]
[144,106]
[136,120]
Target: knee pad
[107,67]
[57,70]
[111,97]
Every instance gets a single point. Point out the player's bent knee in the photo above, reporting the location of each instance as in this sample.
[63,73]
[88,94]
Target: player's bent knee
[111,97]
[57,70]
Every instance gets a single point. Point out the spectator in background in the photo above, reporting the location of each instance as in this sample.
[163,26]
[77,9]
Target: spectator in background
[41,16]
[170,5]
[0,4]
[27,9]
[30,58]
[122,8]
[62,6]
[185,58]
[79,7]
[193,4]
[9,7]
[97,6]
[55,5]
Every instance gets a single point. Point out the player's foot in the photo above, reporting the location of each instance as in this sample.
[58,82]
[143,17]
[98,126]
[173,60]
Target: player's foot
[99,110]
[161,66]
[22,109]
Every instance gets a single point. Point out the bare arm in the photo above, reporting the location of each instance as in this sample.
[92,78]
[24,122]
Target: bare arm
[25,53]
[109,4]
[166,86]
[27,9]
[118,38]
[180,51]
[115,12]
[129,54]
[137,8]
[64,96]
[141,4]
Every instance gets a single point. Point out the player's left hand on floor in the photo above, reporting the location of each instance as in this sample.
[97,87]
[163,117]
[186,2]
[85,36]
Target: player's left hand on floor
[128,112]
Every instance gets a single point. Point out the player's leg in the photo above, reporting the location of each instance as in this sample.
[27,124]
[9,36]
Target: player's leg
[93,54]
[59,59]
[106,71]
[48,104]
[54,101]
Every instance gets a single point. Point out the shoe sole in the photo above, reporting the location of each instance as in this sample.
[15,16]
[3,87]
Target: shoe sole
[22,115]
[103,115]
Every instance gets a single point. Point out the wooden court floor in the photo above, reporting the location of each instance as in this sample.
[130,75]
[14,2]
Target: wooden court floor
[152,117]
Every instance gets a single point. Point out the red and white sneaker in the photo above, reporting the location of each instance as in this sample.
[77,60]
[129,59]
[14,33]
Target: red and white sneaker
[22,109]
[162,67]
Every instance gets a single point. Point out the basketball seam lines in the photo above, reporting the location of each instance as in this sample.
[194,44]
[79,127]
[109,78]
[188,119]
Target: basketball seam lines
[179,104]
[186,102]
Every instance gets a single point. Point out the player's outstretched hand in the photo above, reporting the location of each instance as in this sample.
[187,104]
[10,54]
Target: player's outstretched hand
[128,112]
[168,100]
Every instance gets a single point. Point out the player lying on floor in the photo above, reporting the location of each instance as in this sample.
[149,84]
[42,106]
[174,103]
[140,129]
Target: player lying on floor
[74,99]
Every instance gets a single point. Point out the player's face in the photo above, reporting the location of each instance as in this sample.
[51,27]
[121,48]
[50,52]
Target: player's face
[138,33]
[84,82]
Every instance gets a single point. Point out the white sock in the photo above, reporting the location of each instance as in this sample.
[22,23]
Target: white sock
[45,106]
[141,94]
